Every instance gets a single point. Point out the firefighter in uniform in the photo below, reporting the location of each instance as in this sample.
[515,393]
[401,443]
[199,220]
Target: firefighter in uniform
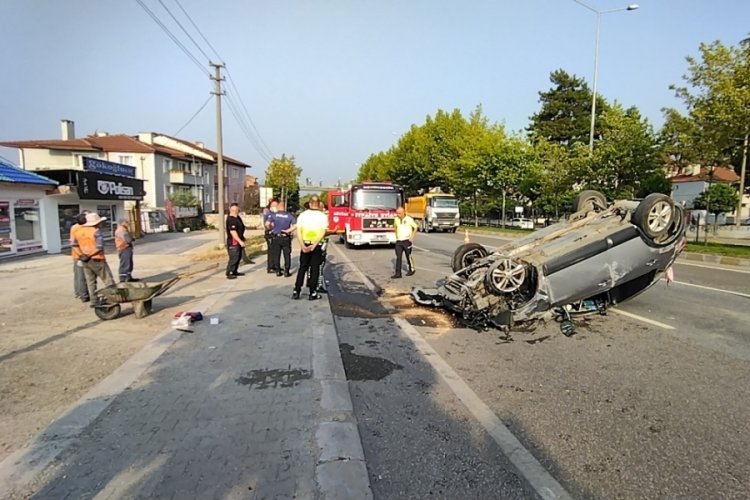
[90,243]
[311,229]
[405,229]
[124,245]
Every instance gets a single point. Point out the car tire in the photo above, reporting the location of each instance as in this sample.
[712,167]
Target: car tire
[657,217]
[467,254]
[505,276]
[589,200]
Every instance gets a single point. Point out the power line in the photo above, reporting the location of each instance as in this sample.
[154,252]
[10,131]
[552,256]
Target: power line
[198,29]
[173,38]
[243,126]
[194,115]
[200,49]
[267,150]
[247,113]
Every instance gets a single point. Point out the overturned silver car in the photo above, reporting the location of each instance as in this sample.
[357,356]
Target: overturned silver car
[601,256]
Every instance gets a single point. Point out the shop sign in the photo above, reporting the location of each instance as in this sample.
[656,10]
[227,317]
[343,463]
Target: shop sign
[93,186]
[107,167]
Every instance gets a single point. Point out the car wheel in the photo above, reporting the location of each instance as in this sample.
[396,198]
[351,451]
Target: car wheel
[655,215]
[466,254]
[589,200]
[505,276]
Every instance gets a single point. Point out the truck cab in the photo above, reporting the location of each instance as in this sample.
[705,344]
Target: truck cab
[434,211]
[364,213]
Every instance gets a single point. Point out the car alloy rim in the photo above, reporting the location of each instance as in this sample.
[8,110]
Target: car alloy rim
[660,216]
[508,276]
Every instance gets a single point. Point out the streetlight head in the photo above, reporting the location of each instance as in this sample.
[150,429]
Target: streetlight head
[633,6]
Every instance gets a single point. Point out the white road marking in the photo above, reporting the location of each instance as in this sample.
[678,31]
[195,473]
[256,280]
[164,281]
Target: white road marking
[445,272]
[641,318]
[479,234]
[730,292]
[527,465]
[718,268]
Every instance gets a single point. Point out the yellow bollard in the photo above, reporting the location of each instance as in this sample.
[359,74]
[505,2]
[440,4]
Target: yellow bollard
[466,236]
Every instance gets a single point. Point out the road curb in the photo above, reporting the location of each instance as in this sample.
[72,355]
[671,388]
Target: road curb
[341,471]
[714,259]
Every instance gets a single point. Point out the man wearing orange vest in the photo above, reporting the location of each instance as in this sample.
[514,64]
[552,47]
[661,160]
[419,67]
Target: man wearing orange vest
[79,278]
[124,244]
[90,242]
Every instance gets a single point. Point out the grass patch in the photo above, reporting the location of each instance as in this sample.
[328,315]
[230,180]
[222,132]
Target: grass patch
[720,249]
[496,230]
[253,248]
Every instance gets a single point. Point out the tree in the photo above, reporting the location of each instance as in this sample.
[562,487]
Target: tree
[625,156]
[184,199]
[676,140]
[565,116]
[718,99]
[718,199]
[282,174]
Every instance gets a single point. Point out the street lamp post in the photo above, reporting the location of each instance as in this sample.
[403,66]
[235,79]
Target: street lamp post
[599,14]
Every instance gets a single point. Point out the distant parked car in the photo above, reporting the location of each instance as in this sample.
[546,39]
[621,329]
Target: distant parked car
[522,223]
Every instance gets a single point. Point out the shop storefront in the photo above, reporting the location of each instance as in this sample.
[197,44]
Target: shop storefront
[23,226]
[102,187]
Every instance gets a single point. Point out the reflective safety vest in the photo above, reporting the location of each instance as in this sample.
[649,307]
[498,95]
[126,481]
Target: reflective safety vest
[312,225]
[75,251]
[404,227]
[120,242]
[86,238]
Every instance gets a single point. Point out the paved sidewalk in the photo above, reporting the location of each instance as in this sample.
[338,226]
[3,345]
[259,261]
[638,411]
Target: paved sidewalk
[254,407]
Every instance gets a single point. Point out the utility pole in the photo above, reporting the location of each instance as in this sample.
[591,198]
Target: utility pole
[743,170]
[217,78]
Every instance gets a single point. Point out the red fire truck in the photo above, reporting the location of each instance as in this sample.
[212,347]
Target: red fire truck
[364,213]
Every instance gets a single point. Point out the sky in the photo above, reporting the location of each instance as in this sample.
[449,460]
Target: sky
[332,81]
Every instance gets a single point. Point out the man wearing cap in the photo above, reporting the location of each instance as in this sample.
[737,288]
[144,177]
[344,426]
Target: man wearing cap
[311,229]
[282,231]
[124,245]
[90,243]
[406,229]
[79,277]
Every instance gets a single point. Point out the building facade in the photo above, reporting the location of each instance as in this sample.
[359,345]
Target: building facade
[27,217]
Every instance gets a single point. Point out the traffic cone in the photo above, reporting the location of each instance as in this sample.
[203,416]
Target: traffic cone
[466,236]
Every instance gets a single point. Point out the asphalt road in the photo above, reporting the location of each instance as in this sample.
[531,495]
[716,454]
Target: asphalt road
[648,402]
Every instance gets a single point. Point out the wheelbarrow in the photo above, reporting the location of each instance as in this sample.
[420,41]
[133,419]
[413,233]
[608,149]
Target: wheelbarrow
[140,293]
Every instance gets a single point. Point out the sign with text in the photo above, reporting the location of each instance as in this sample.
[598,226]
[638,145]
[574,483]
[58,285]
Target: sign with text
[94,186]
[107,167]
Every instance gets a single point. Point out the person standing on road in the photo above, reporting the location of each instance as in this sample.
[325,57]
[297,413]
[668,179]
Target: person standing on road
[405,228]
[90,242]
[124,245]
[283,226]
[268,226]
[235,241]
[79,277]
[311,229]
